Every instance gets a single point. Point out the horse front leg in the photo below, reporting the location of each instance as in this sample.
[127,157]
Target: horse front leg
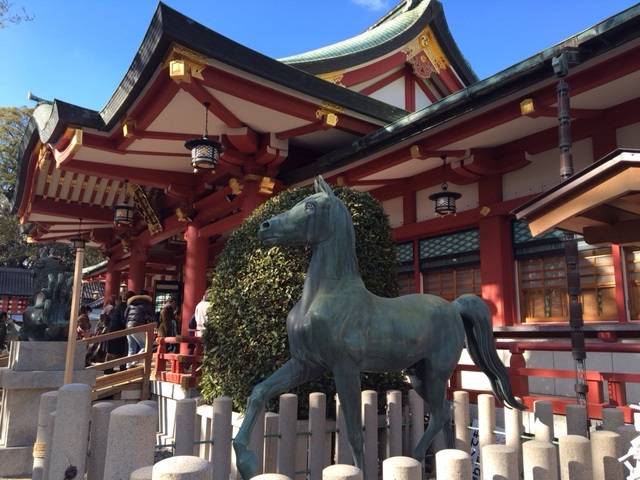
[347,381]
[290,375]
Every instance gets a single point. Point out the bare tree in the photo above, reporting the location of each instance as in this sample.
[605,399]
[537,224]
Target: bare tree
[8,15]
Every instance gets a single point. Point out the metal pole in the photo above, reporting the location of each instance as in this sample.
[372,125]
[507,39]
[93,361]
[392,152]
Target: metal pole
[73,321]
[572,259]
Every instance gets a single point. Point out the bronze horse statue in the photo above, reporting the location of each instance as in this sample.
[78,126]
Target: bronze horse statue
[339,326]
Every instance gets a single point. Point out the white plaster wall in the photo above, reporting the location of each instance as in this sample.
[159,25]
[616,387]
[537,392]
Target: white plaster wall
[629,136]
[422,101]
[544,171]
[392,93]
[393,208]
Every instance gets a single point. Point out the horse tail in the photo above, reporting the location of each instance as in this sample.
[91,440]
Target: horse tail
[477,325]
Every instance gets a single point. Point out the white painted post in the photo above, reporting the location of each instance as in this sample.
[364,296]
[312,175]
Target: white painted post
[317,427]
[222,435]
[394,421]
[543,414]
[287,429]
[540,460]
[100,413]
[462,420]
[575,458]
[513,432]
[48,402]
[499,462]
[453,464]
[401,468]
[184,427]
[71,431]
[130,441]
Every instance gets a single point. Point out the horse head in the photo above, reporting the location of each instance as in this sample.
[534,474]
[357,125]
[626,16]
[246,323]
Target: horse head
[307,222]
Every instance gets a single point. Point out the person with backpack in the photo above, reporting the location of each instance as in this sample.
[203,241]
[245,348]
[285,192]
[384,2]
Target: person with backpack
[117,347]
[139,312]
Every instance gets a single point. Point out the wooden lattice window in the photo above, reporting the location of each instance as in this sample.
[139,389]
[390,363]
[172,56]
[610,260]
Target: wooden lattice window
[632,256]
[451,283]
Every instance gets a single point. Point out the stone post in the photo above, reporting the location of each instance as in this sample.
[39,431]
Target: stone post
[287,427]
[543,414]
[401,468]
[48,402]
[612,418]
[452,463]
[317,421]
[342,472]
[394,421]
[222,433]
[462,420]
[486,421]
[575,458]
[605,451]
[100,414]
[183,467]
[370,423]
[540,460]
[185,426]
[577,421]
[499,461]
[513,432]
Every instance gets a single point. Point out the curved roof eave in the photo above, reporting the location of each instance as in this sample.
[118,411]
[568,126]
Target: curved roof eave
[592,42]
[384,37]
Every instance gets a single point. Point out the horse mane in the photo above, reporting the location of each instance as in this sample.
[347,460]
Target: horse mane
[345,229]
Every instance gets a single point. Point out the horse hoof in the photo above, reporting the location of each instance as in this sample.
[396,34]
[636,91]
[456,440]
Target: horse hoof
[247,464]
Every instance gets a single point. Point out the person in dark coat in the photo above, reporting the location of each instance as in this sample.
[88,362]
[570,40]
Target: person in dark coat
[117,347]
[139,312]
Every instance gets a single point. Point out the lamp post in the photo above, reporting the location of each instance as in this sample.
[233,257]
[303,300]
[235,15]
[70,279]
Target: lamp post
[77,242]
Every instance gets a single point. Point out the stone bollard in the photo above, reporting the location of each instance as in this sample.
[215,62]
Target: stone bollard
[71,431]
[401,468]
[341,472]
[513,432]
[462,420]
[606,448]
[500,462]
[222,434]
[627,434]
[288,435]
[100,413]
[271,476]
[370,424]
[130,441]
[142,473]
[48,402]
[394,420]
[416,407]
[577,421]
[317,427]
[612,418]
[575,458]
[183,467]
[185,426]
[47,455]
[540,460]
[486,421]
[543,414]
[452,463]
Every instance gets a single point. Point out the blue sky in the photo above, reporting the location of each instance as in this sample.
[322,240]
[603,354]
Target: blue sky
[79,50]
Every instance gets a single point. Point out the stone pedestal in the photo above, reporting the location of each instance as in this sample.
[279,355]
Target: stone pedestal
[34,368]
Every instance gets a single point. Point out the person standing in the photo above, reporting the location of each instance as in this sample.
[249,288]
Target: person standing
[139,312]
[201,314]
[117,347]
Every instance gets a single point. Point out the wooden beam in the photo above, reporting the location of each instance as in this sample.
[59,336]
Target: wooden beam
[619,233]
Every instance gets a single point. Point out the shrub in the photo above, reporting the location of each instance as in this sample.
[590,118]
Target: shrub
[255,287]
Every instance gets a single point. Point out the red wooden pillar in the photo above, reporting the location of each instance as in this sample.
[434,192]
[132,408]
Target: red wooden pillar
[195,277]
[496,260]
[112,281]
[137,267]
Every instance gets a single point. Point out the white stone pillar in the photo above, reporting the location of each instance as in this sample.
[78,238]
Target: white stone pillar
[71,432]
[182,467]
[342,472]
[499,461]
[131,440]
[462,420]
[342,453]
[222,434]
[540,460]
[317,427]
[142,473]
[401,468]
[543,414]
[612,418]
[271,476]
[47,456]
[627,433]
[394,421]
[452,463]
[486,421]
[513,432]
[185,427]
[575,458]
[606,448]
[48,402]
[370,423]
[288,434]
[577,421]
[416,407]
[100,414]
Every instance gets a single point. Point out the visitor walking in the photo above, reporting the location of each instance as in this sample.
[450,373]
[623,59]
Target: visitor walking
[139,312]
[117,347]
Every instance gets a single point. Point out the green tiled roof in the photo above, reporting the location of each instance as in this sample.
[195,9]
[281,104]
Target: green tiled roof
[373,37]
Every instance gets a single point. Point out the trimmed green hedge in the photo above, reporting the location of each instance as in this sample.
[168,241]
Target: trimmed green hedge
[255,287]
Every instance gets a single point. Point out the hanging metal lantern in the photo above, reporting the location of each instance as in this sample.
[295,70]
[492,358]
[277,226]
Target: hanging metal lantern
[445,200]
[122,212]
[204,151]
[78,241]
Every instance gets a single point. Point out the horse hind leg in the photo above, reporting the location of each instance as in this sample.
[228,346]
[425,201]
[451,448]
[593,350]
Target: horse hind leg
[432,387]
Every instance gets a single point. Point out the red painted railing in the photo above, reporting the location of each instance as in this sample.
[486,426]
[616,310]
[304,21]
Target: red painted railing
[183,369]
[614,382]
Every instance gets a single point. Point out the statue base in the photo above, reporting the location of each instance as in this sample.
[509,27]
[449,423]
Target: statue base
[34,368]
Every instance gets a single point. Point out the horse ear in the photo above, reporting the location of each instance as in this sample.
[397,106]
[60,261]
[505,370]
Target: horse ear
[316,186]
[323,186]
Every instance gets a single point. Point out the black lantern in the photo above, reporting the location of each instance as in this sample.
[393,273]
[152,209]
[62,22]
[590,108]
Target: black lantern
[204,151]
[122,212]
[78,241]
[445,200]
